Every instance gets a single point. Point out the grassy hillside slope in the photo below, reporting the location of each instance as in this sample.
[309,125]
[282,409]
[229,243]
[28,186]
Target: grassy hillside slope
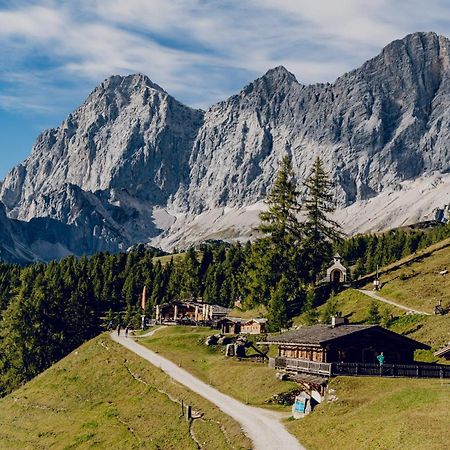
[250,382]
[432,330]
[415,281]
[369,413]
[382,414]
[103,396]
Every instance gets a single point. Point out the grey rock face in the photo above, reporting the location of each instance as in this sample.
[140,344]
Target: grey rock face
[131,149]
[375,126]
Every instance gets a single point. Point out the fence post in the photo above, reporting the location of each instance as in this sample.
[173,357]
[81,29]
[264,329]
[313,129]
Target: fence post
[188,412]
[357,369]
[417,371]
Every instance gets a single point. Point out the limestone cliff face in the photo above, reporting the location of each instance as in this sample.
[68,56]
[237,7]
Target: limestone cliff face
[129,135]
[376,126]
[132,160]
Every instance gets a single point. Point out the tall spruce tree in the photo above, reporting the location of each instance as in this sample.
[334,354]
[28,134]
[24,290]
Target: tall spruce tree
[319,229]
[277,252]
[280,221]
[277,313]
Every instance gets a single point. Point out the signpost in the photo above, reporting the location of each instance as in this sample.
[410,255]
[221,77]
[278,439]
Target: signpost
[301,406]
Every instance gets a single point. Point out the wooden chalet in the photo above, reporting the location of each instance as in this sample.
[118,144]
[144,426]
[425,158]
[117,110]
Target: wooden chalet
[189,311]
[346,343]
[230,325]
[237,325]
[343,349]
[254,326]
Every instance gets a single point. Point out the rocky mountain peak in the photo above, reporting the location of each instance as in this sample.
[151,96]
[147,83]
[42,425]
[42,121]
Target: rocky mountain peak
[132,160]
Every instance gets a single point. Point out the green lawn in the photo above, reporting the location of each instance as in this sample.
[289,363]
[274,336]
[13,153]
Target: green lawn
[432,330]
[373,413]
[177,257]
[103,396]
[417,282]
[250,382]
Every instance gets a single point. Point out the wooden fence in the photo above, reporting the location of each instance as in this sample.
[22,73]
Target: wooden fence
[392,370]
[363,369]
[301,365]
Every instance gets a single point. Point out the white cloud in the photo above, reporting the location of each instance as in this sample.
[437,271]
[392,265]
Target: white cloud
[198,50]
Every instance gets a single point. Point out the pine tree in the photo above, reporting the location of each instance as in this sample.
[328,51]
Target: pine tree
[310,314]
[280,221]
[374,316]
[277,314]
[320,230]
[330,310]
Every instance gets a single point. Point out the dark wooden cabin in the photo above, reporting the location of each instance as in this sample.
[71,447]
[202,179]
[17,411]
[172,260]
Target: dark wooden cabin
[346,343]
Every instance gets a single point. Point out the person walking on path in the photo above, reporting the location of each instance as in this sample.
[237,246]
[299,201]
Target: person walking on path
[126,331]
[118,329]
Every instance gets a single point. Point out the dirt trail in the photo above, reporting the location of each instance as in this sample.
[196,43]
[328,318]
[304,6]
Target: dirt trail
[390,302]
[262,426]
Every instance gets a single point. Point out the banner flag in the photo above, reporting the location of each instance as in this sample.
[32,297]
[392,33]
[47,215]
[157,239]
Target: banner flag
[144,298]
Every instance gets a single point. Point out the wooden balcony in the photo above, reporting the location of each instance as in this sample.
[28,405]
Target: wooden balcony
[363,369]
[302,365]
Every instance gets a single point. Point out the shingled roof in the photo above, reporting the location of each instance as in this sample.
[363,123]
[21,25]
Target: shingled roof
[321,334]
[317,334]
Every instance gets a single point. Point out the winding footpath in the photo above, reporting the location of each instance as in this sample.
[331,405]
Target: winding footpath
[262,426]
[382,299]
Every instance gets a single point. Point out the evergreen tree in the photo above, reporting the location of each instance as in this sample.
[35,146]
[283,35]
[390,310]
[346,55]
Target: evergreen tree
[310,314]
[330,310]
[374,316]
[277,314]
[280,221]
[320,230]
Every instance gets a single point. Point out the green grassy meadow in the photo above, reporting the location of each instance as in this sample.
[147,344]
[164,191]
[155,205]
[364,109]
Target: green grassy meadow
[379,413]
[103,396]
[250,382]
[416,282]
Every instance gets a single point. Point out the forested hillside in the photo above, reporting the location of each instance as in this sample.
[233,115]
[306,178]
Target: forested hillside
[47,310]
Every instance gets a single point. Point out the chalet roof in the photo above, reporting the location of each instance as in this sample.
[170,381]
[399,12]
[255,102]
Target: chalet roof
[245,321]
[217,309]
[322,334]
[317,334]
[257,320]
[443,351]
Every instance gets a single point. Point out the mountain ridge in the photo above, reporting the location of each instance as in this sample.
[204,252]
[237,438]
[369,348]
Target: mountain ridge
[132,164]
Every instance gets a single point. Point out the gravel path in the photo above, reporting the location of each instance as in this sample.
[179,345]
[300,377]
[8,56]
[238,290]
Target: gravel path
[262,426]
[382,299]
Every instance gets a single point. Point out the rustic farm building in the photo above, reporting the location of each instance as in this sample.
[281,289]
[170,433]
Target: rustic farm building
[346,343]
[254,326]
[236,325]
[230,325]
[189,311]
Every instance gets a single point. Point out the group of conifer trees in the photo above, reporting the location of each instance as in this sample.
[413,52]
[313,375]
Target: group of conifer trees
[47,310]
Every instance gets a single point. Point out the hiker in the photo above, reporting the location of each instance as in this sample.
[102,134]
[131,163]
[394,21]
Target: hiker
[126,331]
[118,330]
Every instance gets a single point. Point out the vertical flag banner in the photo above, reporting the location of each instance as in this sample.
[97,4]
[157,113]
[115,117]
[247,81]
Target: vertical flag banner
[144,292]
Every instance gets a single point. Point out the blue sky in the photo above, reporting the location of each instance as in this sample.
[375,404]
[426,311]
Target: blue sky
[53,53]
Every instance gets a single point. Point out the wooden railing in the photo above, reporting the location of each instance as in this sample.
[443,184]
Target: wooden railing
[301,365]
[363,369]
[392,370]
